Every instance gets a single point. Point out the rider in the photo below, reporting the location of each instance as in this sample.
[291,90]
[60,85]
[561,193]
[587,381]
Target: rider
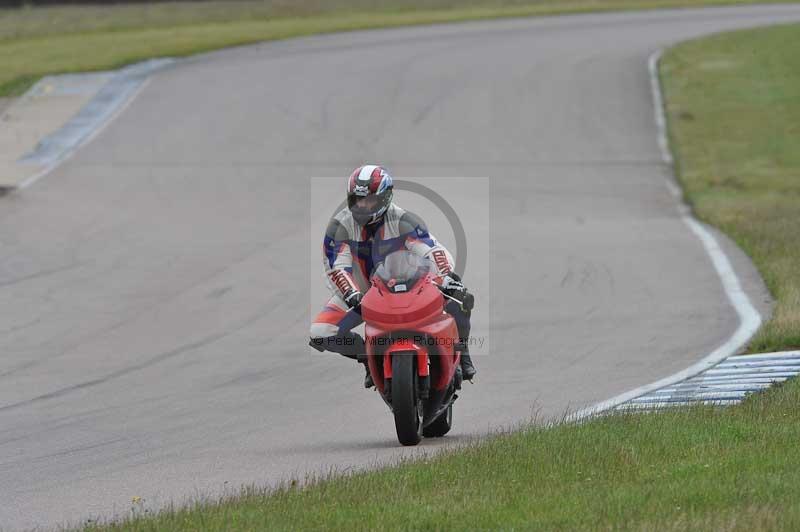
[356,241]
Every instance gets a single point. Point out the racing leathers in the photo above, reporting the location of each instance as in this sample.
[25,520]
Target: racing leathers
[351,253]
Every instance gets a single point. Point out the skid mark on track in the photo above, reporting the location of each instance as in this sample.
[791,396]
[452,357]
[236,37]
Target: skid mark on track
[161,357]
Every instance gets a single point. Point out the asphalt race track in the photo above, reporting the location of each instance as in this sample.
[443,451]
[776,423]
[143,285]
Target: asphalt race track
[154,289]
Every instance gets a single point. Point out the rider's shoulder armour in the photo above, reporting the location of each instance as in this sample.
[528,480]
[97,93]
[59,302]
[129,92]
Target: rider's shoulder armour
[399,222]
[342,227]
[410,223]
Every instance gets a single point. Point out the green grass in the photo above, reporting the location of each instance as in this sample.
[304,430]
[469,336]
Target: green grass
[734,110]
[734,115]
[698,469]
[35,41]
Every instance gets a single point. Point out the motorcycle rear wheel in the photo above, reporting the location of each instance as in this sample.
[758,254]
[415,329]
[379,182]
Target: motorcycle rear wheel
[441,425]
[405,403]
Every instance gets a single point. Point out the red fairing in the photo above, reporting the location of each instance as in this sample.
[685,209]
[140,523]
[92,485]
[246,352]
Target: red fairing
[401,310]
[410,322]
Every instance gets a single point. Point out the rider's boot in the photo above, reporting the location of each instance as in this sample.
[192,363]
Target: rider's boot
[467,367]
[348,344]
[368,382]
[462,316]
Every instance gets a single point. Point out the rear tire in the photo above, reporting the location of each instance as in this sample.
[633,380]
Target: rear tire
[405,404]
[441,424]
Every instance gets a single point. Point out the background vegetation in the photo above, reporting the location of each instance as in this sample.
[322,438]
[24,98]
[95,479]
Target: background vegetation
[35,41]
[733,104]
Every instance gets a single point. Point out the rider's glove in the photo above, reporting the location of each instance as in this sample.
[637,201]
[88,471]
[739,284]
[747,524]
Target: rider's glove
[452,285]
[353,299]
[451,282]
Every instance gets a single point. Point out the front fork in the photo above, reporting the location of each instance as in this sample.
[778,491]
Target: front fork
[406,347]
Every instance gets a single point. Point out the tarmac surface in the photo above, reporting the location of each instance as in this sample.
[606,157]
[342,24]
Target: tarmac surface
[155,289]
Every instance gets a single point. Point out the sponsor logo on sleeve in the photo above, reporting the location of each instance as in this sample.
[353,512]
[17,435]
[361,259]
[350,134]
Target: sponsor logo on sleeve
[440,259]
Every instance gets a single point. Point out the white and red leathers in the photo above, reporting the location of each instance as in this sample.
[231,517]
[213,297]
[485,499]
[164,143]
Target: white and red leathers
[351,252]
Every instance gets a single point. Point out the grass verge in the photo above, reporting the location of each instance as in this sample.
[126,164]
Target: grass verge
[35,41]
[734,109]
[695,469]
[734,114]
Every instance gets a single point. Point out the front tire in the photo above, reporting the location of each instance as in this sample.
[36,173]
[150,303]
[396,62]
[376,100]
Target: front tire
[405,403]
[441,425]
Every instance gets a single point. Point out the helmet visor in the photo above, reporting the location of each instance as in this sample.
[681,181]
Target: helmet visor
[365,205]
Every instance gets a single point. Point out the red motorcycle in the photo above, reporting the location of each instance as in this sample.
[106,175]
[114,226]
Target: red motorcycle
[412,346]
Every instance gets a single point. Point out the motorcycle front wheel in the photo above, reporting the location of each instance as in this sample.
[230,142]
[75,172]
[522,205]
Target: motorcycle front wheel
[405,403]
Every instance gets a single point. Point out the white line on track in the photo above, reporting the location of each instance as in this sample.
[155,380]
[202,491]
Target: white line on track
[658,107]
[749,317]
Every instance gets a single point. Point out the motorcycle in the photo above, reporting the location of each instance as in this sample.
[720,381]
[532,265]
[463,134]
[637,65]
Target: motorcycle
[413,352]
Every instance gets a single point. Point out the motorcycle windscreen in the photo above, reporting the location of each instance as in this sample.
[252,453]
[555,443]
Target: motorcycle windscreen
[402,269]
